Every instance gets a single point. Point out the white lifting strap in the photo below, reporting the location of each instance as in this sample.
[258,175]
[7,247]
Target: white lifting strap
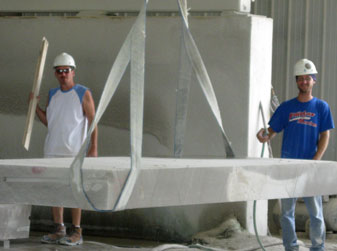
[182,95]
[201,73]
[132,49]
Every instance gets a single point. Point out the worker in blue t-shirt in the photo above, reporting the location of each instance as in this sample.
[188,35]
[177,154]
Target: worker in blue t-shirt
[305,122]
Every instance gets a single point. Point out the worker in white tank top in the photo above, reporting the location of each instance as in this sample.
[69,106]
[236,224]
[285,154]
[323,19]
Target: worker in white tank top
[70,109]
[67,123]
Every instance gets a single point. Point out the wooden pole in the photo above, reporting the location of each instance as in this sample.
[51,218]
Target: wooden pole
[35,91]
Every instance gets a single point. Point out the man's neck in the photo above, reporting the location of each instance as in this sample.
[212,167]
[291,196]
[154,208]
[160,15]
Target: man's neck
[304,97]
[67,86]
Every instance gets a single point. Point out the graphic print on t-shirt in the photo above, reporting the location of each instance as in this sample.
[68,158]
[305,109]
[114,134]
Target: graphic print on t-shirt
[303,118]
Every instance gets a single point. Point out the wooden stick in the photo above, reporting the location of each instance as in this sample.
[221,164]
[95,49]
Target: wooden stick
[35,91]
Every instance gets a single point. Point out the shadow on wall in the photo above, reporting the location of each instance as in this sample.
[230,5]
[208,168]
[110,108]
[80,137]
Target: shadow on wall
[156,122]
[176,224]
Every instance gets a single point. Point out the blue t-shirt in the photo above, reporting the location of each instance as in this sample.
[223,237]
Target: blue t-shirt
[302,123]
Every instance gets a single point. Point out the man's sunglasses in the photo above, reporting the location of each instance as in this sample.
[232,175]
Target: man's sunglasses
[60,71]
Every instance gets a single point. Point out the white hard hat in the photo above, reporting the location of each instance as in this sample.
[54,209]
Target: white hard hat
[304,67]
[64,59]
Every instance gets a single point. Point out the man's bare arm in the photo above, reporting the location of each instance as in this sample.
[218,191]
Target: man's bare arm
[322,144]
[89,111]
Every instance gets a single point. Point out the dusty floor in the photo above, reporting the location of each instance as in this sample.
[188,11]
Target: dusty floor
[242,243]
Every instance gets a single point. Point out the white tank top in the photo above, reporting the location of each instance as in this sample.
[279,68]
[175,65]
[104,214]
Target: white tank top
[67,124]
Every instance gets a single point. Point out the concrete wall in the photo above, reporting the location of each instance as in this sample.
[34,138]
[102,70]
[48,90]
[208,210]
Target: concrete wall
[121,5]
[95,42]
[238,62]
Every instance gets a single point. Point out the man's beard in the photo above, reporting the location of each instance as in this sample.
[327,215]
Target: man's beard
[307,90]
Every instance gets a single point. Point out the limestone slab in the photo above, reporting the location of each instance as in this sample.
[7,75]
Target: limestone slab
[164,181]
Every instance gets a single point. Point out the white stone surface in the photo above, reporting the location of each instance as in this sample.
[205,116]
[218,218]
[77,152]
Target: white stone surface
[164,181]
[14,222]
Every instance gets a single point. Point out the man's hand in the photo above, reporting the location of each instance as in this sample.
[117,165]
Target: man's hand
[92,152]
[31,97]
[262,135]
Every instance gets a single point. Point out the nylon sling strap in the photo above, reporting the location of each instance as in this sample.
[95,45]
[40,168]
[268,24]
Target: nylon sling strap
[132,49]
[201,73]
[182,95]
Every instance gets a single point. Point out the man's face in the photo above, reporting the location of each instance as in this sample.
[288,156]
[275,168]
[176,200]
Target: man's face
[305,83]
[64,74]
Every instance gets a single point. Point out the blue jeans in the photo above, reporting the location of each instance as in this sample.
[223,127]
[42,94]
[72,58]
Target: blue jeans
[317,226]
